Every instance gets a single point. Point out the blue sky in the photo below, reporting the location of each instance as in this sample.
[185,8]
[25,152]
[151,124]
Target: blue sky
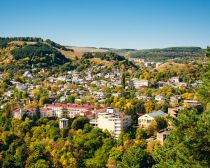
[109,23]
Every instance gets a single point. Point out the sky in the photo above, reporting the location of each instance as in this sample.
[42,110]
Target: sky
[135,24]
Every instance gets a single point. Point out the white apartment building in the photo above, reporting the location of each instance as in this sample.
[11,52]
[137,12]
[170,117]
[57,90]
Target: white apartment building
[112,120]
[138,83]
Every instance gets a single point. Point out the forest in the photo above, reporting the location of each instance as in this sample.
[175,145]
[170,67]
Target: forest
[4,41]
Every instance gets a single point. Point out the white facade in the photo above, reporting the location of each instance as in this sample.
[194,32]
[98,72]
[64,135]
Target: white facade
[112,120]
[159,98]
[73,110]
[63,123]
[145,120]
[138,83]
[174,79]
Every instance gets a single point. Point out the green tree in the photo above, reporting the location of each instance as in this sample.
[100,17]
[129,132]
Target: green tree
[188,144]
[123,80]
[203,90]
[161,123]
[70,99]
[135,157]
[79,122]
[64,113]
[21,155]
[38,113]
[42,164]
[101,155]
[9,162]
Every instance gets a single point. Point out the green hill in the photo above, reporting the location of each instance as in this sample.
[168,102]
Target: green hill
[25,52]
[177,54]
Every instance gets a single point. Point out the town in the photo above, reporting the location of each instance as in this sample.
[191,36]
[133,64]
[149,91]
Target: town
[63,106]
[109,98]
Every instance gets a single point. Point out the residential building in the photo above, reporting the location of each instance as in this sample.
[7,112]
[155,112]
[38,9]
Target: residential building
[21,87]
[175,99]
[147,64]
[45,112]
[137,83]
[174,79]
[162,135]
[136,60]
[27,74]
[146,119]
[158,64]
[73,110]
[159,98]
[112,120]
[182,84]
[174,111]
[191,103]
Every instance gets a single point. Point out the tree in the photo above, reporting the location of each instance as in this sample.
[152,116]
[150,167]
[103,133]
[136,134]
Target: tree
[207,52]
[161,123]
[38,113]
[64,113]
[141,134]
[42,164]
[203,91]
[70,99]
[9,162]
[79,122]
[20,156]
[149,106]
[135,157]
[123,80]
[101,155]
[188,144]
[123,137]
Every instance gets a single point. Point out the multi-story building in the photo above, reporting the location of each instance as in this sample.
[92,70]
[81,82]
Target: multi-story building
[112,120]
[44,112]
[72,110]
[145,120]
[137,84]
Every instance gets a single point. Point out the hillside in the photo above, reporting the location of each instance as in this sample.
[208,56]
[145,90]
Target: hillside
[177,54]
[24,53]
[27,52]
[87,49]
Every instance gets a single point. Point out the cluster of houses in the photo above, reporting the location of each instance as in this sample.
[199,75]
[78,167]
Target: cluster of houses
[106,118]
[143,61]
[90,83]
[110,119]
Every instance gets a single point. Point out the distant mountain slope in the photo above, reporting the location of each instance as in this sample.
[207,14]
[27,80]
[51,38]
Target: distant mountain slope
[87,49]
[165,54]
[21,53]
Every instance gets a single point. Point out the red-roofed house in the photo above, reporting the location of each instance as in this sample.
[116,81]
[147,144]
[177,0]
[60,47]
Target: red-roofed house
[73,109]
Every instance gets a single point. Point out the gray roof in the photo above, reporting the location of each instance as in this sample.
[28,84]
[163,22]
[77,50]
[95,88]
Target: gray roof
[158,113]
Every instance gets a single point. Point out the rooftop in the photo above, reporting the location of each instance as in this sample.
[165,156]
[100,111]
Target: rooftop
[158,113]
